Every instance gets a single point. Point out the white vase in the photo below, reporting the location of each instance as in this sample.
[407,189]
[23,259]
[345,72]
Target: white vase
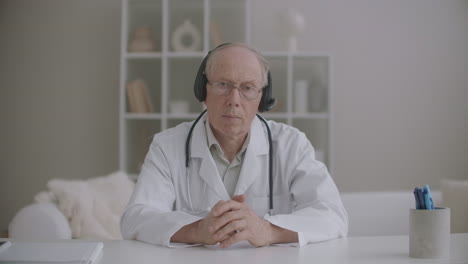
[293,24]
[186,31]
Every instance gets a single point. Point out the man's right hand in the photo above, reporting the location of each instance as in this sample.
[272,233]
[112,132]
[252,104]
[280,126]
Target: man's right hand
[202,231]
[206,228]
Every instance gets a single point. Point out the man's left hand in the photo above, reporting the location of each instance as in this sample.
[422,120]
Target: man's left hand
[239,222]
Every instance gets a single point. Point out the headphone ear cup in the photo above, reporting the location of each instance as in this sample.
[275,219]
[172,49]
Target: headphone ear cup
[267,102]
[199,87]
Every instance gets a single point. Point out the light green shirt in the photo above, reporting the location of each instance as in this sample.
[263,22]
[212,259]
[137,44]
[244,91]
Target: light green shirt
[229,172]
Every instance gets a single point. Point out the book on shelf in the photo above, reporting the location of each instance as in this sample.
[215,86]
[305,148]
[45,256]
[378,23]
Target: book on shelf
[138,97]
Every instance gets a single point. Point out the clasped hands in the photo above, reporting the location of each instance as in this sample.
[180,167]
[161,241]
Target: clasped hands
[232,221]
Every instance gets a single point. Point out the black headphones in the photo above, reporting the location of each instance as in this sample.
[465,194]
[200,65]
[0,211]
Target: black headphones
[266,102]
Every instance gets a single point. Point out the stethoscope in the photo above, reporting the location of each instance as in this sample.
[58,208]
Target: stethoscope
[270,157]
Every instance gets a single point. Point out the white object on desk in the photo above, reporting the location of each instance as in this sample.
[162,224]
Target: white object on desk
[53,252]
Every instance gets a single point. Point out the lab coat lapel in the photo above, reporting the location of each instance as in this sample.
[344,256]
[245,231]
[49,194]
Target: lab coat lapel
[208,171]
[255,159]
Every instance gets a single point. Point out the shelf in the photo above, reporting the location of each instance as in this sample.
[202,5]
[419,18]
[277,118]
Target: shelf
[144,3]
[183,115]
[286,54]
[142,55]
[157,116]
[296,115]
[158,55]
[145,116]
[180,54]
[301,80]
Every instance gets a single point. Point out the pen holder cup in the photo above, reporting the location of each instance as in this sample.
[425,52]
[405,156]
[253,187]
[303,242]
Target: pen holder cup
[429,233]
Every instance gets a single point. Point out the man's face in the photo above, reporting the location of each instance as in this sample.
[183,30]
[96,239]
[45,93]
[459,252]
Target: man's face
[231,115]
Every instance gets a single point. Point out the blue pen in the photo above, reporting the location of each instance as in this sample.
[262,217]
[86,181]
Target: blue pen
[428,198]
[416,198]
[421,198]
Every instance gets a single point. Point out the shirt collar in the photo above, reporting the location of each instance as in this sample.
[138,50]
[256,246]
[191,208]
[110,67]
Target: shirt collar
[212,141]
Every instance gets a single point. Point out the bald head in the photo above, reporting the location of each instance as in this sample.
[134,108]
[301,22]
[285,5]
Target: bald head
[220,50]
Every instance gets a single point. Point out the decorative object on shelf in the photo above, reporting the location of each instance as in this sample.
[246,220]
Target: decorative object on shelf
[179,106]
[301,98]
[317,98]
[142,40]
[292,25]
[215,34]
[139,97]
[186,37]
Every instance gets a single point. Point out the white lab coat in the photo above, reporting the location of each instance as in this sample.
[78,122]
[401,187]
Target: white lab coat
[167,196]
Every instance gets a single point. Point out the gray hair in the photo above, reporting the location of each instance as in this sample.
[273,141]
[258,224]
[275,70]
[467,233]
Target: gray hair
[263,62]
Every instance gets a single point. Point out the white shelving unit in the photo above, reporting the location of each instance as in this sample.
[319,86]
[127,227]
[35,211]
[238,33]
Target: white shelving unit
[170,74]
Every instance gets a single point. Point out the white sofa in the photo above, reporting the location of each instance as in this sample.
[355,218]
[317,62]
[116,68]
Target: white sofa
[370,214]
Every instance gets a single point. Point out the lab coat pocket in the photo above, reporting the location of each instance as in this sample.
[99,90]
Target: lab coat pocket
[261,205]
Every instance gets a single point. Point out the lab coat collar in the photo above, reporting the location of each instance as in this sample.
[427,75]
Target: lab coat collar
[254,159]
[251,166]
[208,171]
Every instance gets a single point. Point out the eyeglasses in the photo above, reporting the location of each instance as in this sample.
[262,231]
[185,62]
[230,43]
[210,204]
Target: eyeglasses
[248,91]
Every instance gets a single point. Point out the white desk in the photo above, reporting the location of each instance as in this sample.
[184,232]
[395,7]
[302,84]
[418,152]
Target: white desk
[385,249]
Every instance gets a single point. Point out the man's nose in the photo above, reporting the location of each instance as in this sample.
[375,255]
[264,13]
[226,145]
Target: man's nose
[234,96]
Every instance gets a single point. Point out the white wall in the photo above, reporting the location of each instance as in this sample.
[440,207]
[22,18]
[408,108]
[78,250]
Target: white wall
[400,80]
[401,85]
[59,65]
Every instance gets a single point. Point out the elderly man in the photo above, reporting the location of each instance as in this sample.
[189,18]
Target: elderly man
[231,176]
